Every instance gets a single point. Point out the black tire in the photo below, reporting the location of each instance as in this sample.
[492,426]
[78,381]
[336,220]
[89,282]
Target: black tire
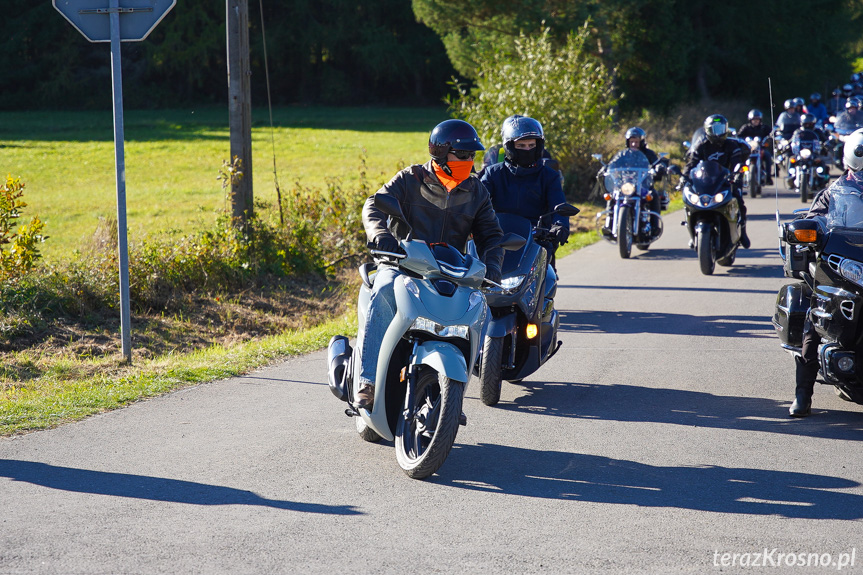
[366,432]
[706,252]
[491,368]
[804,190]
[729,260]
[426,430]
[624,231]
[753,185]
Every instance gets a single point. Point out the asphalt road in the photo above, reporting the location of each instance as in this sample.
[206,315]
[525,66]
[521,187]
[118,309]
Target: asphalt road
[656,441]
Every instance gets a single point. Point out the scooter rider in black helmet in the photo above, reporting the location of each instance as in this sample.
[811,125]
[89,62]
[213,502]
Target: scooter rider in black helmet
[756,128]
[717,146]
[443,201]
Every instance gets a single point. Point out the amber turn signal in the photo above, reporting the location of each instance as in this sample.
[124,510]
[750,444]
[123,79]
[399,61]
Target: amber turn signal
[532,330]
[806,236]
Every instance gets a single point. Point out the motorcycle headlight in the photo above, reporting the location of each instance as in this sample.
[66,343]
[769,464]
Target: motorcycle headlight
[805,153]
[627,189]
[719,197]
[692,197]
[852,271]
[427,325]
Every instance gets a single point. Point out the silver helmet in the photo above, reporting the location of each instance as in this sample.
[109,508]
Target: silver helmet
[853,151]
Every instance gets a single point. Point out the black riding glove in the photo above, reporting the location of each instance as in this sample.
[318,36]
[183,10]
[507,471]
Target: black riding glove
[559,233]
[385,242]
[493,274]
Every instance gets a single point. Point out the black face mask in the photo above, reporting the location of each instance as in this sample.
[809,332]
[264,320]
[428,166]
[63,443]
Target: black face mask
[523,158]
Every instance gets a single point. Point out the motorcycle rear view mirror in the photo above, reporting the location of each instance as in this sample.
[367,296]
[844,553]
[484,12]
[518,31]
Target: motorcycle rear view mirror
[565,209]
[802,232]
[686,144]
[597,157]
[391,207]
[512,242]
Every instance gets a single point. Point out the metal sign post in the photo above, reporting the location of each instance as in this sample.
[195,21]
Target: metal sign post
[140,17]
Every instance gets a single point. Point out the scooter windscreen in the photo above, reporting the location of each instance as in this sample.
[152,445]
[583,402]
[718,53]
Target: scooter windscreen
[627,167]
[511,223]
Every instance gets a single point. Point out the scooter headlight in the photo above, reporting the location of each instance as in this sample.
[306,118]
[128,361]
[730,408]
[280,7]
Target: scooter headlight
[427,325]
[627,189]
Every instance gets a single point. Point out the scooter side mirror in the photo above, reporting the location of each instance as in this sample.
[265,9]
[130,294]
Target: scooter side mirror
[805,232]
[391,207]
[686,144]
[565,209]
[512,242]
[597,157]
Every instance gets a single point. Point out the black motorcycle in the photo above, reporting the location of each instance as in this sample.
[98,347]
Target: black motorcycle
[522,331]
[713,216]
[807,172]
[826,253]
[754,174]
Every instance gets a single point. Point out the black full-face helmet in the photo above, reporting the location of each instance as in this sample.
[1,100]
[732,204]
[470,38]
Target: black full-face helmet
[852,103]
[815,97]
[635,132]
[522,128]
[807,121]
[451,136]
[754,113]
[789,105]
[716,128]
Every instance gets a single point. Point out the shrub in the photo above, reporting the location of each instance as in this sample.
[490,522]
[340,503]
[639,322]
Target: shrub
[19,249]
[567,89]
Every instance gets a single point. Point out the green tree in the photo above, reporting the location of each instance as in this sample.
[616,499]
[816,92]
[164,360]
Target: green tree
[567,89]
[19,248]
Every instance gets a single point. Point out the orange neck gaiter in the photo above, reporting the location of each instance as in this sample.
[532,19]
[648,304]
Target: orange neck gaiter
[460,172]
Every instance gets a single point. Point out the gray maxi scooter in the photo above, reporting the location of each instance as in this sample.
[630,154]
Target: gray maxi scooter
[428,352]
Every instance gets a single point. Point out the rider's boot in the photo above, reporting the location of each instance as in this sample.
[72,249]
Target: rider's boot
[805,385]
[366,397]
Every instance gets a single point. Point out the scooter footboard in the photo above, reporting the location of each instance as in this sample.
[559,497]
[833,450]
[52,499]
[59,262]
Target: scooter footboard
[445,358]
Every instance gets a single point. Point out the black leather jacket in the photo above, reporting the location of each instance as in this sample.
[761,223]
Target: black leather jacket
[440,216]
[728,153]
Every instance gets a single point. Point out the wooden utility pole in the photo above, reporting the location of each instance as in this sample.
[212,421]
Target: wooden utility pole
[240,105]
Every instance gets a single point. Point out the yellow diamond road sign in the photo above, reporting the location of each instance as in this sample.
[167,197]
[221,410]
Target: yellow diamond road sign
[92,17]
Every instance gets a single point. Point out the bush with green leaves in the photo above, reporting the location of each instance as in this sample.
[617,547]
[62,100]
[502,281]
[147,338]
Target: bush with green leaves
[567,89]
[19,248]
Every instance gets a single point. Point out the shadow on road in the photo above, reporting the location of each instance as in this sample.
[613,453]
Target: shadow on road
[149,488]
[579,477]
[634,322]
[666,288]
[681,407]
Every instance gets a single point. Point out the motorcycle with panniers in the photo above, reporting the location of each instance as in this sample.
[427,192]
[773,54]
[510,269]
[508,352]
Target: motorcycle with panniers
[826,254]
[628,220]
[522,329]
[713,216]
[428,352]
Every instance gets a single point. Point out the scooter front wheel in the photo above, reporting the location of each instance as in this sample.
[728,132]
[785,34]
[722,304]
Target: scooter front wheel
[366,432]
[427,427]
[491,366]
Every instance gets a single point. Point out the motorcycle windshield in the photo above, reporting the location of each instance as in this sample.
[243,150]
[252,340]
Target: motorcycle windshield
[812,144]
[846,207]
[845,124]
[708,176]
[627,167]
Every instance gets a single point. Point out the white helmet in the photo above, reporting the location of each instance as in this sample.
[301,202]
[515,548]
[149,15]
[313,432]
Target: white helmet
[853,151]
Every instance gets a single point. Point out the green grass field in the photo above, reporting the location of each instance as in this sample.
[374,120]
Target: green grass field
[66,160]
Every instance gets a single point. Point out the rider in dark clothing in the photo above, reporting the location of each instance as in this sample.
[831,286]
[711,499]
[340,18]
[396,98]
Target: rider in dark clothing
[756,128]
[807,364]
[496,154]
[522,184]
[728,152]
[789,120]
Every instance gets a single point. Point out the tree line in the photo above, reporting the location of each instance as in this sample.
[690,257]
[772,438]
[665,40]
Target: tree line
[373,52]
